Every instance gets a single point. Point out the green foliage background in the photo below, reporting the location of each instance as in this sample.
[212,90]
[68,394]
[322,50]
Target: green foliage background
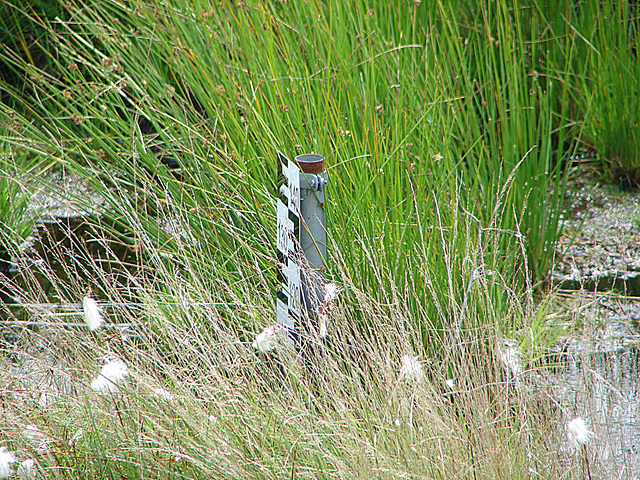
[446,127]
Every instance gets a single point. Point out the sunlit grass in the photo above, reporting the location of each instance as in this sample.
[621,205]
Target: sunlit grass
[341,408]
[443,127]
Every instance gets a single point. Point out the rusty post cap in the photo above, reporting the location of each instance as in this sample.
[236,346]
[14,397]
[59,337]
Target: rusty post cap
[310,162]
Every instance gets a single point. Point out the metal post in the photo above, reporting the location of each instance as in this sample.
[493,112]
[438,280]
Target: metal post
[302,238]
[313,231]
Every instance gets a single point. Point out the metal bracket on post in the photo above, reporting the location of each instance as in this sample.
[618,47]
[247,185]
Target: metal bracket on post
[302,238]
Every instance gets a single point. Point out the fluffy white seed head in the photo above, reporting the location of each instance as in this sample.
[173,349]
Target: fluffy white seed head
[113,374]
[266,341]
[92,314]
[578,433]
[323,321]
[44,400]
[26,470]
[37,438]
[163,394]
[7,458]
[76,437]
[510,357]
[331,292]
[411,368]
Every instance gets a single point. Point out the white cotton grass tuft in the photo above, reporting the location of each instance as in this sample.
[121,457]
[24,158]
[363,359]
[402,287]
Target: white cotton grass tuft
[76,437]
[331,292]
[267,340]
[92,314]
[578,433]
[37,438]
[323,321]
[112,376]
[510,357]
[411,368]
[27,470]
[44,400]
[7,458]
[163,394]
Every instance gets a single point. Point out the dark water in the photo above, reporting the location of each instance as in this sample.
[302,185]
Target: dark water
[600,382]
[61,250]
[598,263]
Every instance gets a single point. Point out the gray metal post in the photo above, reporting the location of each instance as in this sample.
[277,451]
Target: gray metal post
[302,238]
[313,230]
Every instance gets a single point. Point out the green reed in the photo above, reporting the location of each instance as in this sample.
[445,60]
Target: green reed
[443,125]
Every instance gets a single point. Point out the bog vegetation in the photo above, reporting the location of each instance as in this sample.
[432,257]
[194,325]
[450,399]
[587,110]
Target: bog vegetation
[449,129]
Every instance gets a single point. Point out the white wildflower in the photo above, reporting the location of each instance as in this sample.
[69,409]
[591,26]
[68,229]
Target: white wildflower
[6,459]
[450,383]
[111,377]
[578,433]
[331,292]
[510,358]
[397,422]
[411,368]
[26,470]
[163,394]
[267,340]
[37,438]
[92,315]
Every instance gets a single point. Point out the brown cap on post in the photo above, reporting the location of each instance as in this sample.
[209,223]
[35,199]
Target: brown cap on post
[310,163]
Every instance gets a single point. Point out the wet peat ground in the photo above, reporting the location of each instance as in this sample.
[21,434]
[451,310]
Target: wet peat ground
[598,272]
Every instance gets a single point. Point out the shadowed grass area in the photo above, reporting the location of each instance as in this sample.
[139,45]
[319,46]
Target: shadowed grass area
[612,83]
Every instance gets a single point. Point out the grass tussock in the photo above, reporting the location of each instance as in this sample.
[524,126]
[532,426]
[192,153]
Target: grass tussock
[446,127]
[199,401]
[387,394]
